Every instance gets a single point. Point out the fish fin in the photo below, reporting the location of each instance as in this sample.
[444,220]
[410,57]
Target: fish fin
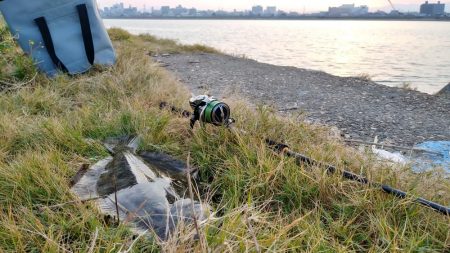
[86,187]
[75,179]
[110,147]
[133,143]
[186,209]
[108,206]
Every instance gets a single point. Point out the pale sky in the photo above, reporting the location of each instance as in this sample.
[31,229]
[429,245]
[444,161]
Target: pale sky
[287,5]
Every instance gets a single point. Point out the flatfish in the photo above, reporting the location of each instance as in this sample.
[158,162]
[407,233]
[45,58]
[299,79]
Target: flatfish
[149,188]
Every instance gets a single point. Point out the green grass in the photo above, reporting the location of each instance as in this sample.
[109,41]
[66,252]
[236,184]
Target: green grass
[14,68]
[263,201]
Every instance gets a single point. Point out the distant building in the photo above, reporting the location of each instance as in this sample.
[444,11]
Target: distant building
[257,10]
[180,11]
[348,10]
[428,9]
[380,13]
[192,12]
[165,10]
[118,10]
[130,11]
[271,11]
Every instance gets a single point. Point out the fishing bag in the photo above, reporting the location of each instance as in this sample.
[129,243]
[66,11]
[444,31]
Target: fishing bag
[60,35]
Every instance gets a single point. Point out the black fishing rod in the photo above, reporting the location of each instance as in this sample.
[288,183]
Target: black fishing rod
[302,159]
[211,111]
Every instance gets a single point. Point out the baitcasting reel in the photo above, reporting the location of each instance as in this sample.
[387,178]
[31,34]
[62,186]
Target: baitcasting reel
[211,111]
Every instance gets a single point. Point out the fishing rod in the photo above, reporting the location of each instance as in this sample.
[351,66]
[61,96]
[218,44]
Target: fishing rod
[302,159]
[208,110]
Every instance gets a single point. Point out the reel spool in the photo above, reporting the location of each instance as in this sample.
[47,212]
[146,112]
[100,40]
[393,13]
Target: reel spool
[210,111]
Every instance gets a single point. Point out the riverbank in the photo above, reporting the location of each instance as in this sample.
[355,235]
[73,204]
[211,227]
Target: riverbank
[360,108]
[50,128]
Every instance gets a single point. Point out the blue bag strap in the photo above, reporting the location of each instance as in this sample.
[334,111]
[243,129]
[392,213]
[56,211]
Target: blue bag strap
[86,32]
[41,22]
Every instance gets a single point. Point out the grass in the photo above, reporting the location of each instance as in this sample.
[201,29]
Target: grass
[364,77]
[407,86]
[14,68]
[264,202]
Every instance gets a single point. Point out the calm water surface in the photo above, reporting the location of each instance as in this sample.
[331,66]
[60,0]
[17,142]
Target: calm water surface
[393,53]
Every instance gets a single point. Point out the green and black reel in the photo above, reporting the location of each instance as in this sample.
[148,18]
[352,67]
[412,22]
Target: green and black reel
[208,110]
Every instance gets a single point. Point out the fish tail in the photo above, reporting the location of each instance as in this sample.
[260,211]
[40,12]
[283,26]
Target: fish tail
[131,142]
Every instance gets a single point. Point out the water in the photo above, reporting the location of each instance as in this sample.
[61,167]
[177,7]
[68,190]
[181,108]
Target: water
[393,53]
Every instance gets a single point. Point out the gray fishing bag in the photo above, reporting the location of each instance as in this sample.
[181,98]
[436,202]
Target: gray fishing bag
[60,35]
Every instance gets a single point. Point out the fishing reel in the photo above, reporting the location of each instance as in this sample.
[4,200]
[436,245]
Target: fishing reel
[208,110]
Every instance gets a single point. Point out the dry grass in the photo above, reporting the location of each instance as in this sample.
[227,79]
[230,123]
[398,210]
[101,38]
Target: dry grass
[364,77]
[407,86]
[169,46]
[263,201]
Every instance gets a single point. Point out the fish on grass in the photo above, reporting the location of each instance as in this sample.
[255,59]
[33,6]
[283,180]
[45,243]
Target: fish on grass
[149,189]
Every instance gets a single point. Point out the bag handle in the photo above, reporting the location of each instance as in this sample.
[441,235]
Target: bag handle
[41,22]
[86,32]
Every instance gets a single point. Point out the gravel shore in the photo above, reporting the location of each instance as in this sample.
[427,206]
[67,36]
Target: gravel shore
[361,109]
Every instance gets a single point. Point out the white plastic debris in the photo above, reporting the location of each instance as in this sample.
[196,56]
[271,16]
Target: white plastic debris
[396,157]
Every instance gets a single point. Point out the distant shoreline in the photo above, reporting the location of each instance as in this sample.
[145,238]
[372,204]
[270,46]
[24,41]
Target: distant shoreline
[408,18]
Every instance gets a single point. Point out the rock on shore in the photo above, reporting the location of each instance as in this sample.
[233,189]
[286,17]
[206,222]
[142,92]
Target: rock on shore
[445,92]
[360,108]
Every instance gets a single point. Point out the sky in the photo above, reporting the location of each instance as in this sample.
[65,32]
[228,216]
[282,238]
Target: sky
[287,5]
